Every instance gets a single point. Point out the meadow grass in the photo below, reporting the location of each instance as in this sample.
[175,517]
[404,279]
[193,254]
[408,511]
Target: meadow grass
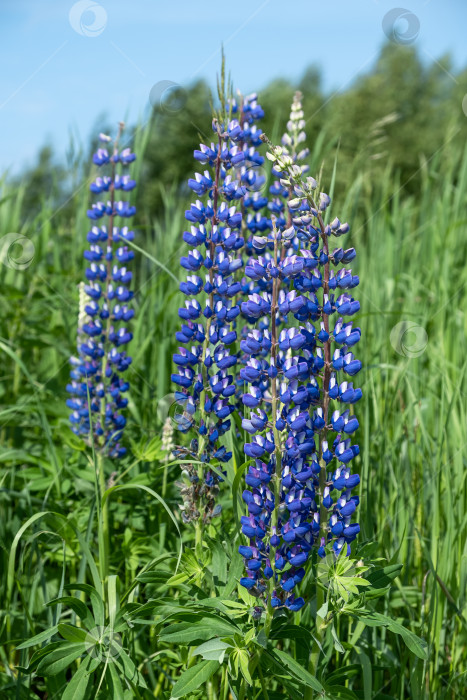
[411,258]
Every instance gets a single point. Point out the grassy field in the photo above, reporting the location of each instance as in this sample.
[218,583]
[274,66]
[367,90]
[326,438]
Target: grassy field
[411,259]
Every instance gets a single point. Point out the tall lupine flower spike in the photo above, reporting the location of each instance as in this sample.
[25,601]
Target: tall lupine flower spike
[97,385]
[205,376]
[300,485]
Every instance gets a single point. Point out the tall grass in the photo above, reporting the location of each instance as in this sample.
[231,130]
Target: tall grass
[412,265]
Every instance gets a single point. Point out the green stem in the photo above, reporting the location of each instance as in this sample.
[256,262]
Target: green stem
[317,642]
[225,684]
[103,529]
[263,684]
[199,539]
[277,438]
[323,514]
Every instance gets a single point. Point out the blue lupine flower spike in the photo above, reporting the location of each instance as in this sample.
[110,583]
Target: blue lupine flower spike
[300,448]
[97,384]
[205,376]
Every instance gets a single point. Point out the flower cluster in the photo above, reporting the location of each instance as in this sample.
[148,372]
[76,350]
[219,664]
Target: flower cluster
[97,386]
[250,112]
[299,493]
[207,360]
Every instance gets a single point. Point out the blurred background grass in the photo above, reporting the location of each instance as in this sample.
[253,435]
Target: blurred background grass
[398,135]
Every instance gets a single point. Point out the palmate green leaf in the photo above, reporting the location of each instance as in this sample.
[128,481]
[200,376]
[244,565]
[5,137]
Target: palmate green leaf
[155,577]
[39,638]
[96,601]
[230,608]
[188,632]
[77,688]
[115,683]
[244,662]
[40,653]
[212,650]
[333,692]
[296,669]
[59,659]
[178,580]
[72,633]
[219,563]
[337,644]
[193,678]
[381,578]
[417,645]
[236,568]
[130,671]
[78,607]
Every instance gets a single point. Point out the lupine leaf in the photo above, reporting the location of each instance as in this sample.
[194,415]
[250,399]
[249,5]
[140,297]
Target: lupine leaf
[383,577]
[193,677]
[417,645]
[187,632]
[116,683]
[72,633]
[59,659]
[213,650]
[297,670]
[78,607]
[219,563]
[339,691]
[77,687]
[39,638]
[96,601]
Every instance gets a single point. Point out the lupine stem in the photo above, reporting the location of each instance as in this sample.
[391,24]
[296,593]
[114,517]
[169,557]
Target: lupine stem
[224,684]
[277,439]
[263,684]
[323,513]
[103,523]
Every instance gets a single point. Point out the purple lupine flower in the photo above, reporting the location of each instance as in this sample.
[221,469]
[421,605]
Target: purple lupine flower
[97,386]
[299,493]
[248,111]
[206,360]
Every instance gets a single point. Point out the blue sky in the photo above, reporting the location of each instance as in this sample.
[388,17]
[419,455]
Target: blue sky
[64,65]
